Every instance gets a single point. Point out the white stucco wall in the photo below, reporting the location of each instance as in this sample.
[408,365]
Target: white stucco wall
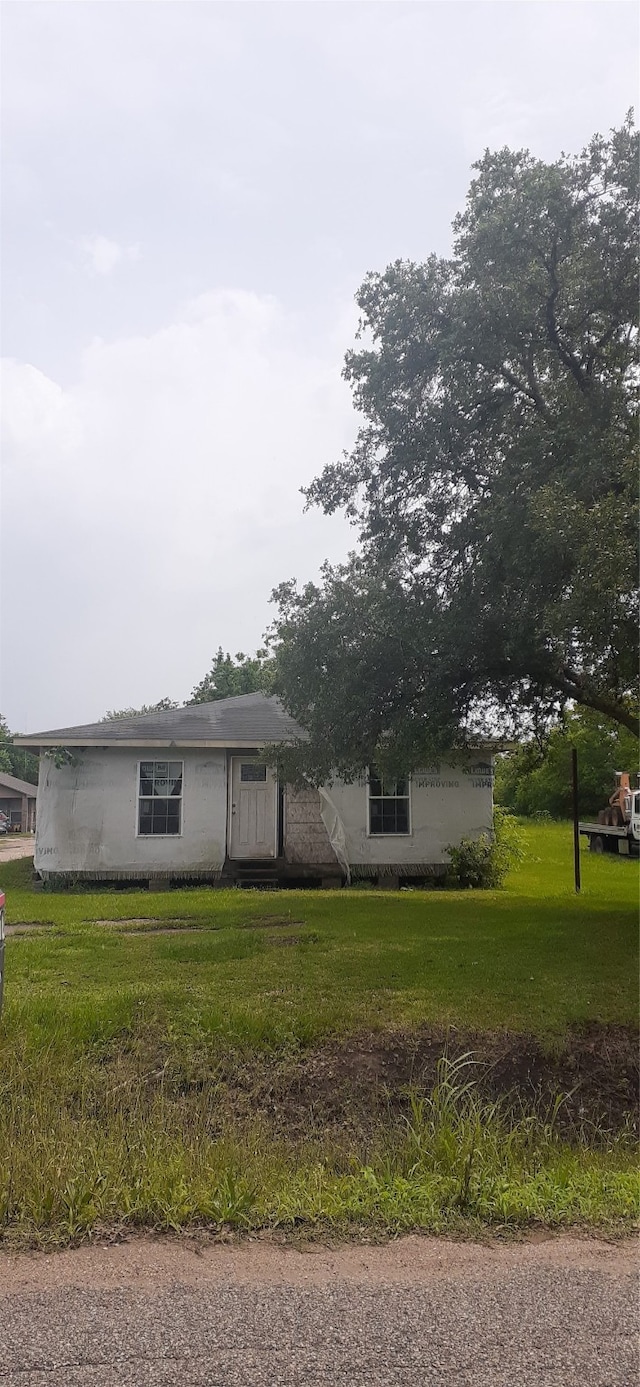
[447,803]
[87,814]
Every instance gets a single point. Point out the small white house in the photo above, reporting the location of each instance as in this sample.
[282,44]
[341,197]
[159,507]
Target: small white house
[185,795]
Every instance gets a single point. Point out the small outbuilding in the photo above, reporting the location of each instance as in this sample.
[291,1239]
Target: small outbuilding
[18,803]
[187,795]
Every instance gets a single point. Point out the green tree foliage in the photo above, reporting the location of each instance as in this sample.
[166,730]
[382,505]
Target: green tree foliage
[537,777]
[230,676]
[15,760]
[493,479]
[162,706]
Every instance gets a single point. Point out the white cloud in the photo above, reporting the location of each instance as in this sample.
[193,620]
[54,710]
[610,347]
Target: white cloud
[150,480]
[102,255]
[160,497]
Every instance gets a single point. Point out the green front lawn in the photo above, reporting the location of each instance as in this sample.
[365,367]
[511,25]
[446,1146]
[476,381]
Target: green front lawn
[531,957]
[188,1076]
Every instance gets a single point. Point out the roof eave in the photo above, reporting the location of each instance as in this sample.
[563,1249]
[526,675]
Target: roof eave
[42,743]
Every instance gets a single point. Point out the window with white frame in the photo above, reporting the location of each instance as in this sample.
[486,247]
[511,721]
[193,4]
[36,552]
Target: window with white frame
[160,797]
[388,804]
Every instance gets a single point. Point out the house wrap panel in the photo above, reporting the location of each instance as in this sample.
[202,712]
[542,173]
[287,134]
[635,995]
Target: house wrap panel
[305,837]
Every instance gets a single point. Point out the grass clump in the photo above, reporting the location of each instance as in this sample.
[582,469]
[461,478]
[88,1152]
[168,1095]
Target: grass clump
[120,1153]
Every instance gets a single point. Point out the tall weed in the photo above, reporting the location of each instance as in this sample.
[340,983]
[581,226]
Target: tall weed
[97,1145]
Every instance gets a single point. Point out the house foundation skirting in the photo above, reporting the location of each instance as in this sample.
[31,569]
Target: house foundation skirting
[367,870]
[204,876]
[271,872]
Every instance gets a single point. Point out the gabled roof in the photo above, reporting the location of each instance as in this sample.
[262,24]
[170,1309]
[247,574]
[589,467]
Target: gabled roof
[15,786]
[251,720]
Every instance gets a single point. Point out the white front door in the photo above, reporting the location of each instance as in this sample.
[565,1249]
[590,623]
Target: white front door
[253,818]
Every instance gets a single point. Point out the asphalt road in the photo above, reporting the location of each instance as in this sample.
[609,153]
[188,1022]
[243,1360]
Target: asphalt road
[561,1313]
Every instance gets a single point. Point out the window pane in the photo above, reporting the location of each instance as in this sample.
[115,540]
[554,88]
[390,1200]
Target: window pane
[163,818]
[385,786]
[388,816]
[252,771]
[159,809]
[159,816]
[395,816]
[161,778]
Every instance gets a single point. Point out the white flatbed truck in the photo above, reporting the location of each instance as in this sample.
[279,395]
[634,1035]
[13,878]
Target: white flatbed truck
[622,838]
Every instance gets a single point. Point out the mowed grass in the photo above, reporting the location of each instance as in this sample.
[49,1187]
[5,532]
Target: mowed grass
[114,1037]
[532,957]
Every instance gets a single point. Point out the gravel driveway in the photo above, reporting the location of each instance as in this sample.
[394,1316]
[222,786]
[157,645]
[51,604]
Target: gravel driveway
[417,1313]
[14,845]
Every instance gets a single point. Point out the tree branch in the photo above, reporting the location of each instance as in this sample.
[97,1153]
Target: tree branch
[571,683]
[582,380]
[531,391]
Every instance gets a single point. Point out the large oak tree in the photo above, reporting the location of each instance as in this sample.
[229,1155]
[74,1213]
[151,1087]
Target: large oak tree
[493,479]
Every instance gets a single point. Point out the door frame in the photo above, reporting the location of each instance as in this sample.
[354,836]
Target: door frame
[251,755]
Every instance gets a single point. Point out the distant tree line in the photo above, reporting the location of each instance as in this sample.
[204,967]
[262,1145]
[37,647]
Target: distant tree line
[536,779]
[15,760]
[229,676]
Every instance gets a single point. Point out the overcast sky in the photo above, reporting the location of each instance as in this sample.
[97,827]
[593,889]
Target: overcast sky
[192,193]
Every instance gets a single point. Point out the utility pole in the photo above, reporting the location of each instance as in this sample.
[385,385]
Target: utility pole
[576,834]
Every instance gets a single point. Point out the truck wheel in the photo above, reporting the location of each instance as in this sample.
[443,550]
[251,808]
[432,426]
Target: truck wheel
[596,843]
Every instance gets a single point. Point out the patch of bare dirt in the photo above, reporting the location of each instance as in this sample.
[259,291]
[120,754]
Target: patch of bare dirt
[25,925]
[271,922]
[148,924]
[354,1084]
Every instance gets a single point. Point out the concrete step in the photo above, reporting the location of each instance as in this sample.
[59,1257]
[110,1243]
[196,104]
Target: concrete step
[260,876]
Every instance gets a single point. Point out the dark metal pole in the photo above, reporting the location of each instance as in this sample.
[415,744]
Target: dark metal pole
[576,833]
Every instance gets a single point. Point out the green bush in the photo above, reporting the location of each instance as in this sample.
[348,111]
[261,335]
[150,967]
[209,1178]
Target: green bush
[485,861]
